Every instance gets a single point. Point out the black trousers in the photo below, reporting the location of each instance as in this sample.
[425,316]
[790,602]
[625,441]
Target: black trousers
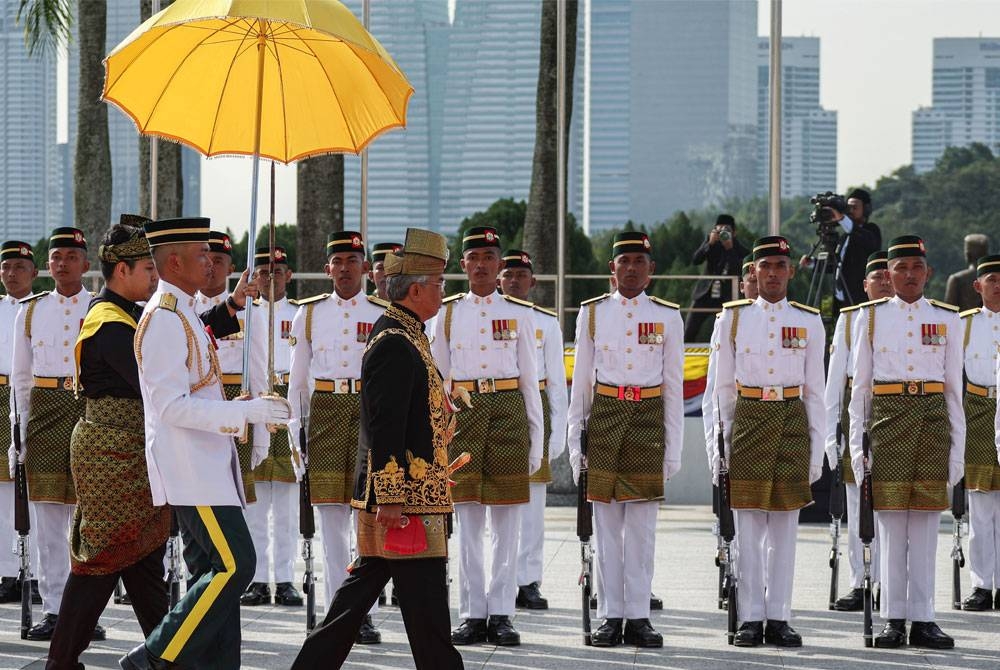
[696,319]
[423,601]
[86,596]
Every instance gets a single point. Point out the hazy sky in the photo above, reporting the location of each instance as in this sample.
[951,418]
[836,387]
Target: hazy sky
[875,69]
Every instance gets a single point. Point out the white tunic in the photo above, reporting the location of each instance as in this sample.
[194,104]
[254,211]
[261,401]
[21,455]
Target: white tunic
[837,373]
[549,359]
[981,351]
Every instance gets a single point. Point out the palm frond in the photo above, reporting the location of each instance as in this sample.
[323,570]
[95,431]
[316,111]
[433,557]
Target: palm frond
[46,23]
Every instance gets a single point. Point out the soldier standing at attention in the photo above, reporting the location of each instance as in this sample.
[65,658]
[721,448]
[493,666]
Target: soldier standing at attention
[329,332]
[837,398]
[484,347]
[516,280]
[769,389]
[982,471]
[628,390]
[908,389]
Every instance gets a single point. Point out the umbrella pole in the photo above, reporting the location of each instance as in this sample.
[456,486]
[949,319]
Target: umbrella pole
[363,204]
[270,294]
[154,157]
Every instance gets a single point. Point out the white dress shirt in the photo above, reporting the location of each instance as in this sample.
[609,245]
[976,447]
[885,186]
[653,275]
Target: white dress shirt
[551,370]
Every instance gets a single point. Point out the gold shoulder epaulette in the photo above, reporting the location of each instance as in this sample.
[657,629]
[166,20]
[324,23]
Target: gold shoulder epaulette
[518,301]
[375,300]
[315,298]
[597,299]
[665,303]
[168,301]
[970,312]
[873,302]
[453,298]
[34,296]
[737,303]
[545,311]
[850,308]
[293,301]
[943,305]
[804,308]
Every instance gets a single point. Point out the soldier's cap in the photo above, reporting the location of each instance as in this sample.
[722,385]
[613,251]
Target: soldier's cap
[185,230]
[630,242]
[344,241]
[67,237]
[13,249]
[906,245]
[423,253]
[135,220]
[132,249]
[262,256]
[382,248]
[219,243]
[877,261]
[747,264]
[773,245]
[479,237]
[515,258]
[988,264]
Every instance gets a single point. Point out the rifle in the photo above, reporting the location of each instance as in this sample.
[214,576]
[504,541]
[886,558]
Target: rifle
[584,529]
[307,523]
[837,495]
[727,531]
[957,555]
[866,531]
[174,561]
[22,524]
[718,547]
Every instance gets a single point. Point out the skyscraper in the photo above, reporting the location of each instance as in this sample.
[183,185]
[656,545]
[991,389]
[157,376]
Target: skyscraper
[965,105]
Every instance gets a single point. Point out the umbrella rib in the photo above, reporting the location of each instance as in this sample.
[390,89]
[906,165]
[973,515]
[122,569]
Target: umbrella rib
[222,94]
[109,86]
[333,90]
[374,78]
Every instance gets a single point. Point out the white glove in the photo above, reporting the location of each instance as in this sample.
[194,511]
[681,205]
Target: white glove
[574,465]
[267,409]
[534,465]
[956,470]
[831,455]
[293,434]
[12,459]
[815,472]
[671,468]
[258,455]
[298,467]
[715,467]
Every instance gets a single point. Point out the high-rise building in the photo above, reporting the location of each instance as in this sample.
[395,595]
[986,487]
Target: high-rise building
[808,132]
[965,102]
[30,187]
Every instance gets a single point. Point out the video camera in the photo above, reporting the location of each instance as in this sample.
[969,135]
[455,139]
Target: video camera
[827,223]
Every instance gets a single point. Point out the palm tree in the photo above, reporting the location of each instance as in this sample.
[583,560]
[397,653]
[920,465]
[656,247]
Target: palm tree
[320,203]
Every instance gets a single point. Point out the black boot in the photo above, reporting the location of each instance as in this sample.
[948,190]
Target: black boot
[286,594]
[893,635]
[470,632]
[500,631]
[258,593]
[927,634]
[641,633]
[140,659]
[43,629]
[980,601]
[852,602]
[10,590]
[530,598]
[368,633]
[381,599]
[608,635]
[750,634]
[655,602]
[781,634]
[99,634]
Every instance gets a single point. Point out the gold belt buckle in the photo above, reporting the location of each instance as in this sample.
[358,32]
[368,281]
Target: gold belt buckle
[343,386]
[487,385]
[630,393]
[913,388]
[772,393]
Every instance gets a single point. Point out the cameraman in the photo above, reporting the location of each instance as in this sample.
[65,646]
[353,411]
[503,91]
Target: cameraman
[725,257]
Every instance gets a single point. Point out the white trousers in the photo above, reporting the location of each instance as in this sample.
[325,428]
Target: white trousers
[274,526]
[984,539]
[765,563]
[908,542]
[51,527]
[854,547]
[336,531]
[476,600]
[9,564]
[532,541]
[625,535]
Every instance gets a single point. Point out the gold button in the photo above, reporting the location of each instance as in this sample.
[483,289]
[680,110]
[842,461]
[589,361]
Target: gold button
[482,314]
[345,331]
[909,334]
[347,315]
[482,347]
[628,350]
[910,351]
[61,300]
[883,350]
[65,343]
[66,327]
[483,366]
[482,330]
[65,359]
[605,347]
[458,346]
[748,350]
[345,347]
[629,366]
[74,300]
[628,332]
[770,371]
[628,315]
[771,319]
[771,336]
[771,353]
[67,312]
[909,318]
[343,364]
[910,368]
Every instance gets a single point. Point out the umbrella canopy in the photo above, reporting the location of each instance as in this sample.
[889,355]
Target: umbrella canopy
[192,74]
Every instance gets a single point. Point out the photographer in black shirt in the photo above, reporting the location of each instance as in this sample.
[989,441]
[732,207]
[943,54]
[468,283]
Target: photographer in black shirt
[724,255]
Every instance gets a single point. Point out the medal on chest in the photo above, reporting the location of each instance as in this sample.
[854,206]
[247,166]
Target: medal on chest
[286,329]
[793,337]
[933,334]
[504,329]
[650,333]
[364,329]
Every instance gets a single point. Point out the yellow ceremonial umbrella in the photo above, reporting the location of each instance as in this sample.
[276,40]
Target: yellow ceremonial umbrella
[279,79]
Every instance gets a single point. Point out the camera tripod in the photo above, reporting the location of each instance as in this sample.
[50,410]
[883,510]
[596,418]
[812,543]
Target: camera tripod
[826,278]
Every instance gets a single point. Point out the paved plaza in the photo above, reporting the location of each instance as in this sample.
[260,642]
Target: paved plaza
[692,627]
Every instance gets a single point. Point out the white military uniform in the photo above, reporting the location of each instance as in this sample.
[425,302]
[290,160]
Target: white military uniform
[471,353]
[334,353]
[273,519]
[766,557]
[55,324]
[551,371]
[9,565]
[839,371]
[625,532]
[984,506]
[908,539]
[708,416]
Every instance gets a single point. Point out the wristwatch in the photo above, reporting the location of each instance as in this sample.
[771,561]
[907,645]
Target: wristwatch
[232,304]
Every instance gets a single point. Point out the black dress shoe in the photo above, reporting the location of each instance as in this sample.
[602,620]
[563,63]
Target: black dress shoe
[927,634]
[140,659]
[750,634]
[893,635]
[980,601]
[368,633]
[500,631]
[655,602]
[530,598]
[126,599]
[10,590]
[781,634]
[381,599]
[470,632]
[99,634]
[641,633]
[43,629]
[286,594]
[852,602]
[257,593]
[36,596]
[608,635]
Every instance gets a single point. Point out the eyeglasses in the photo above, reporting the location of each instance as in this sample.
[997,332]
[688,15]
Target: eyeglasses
[439,284]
